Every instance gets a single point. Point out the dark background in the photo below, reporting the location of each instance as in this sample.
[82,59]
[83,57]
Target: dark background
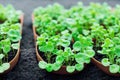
[27,67]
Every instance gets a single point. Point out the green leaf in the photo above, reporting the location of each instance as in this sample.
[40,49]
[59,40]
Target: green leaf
[66,35]
[105,62]
[77,46]
[87,59]
[68,49]
[79,67]
[90,53]
[114,68]
[1,56]
[70,69]
[49,67]
[64,43]
[14,35]
[117,50]
[56,66]
[86,32]
[15,45]
[79,58]
[59,59]
[58,52]
[42,48]
[6,49]
[107,43]
[1,69]
[70,21]
[42,64]
[6,66]
[49,47]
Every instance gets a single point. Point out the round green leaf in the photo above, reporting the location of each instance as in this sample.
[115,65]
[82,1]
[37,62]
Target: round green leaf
[117,50]
[90,53]
[64,43]
[79,58]
[49,67]
[1,56]
[42,64]
[79,67]
[49,47]
[14,35]
[1,69]
[6,66]
[76,46]
[56,66]
[60,59]
[87,59]
[15,45]
[105,62]
[114,68]
[6,48]
[86,32]
[70,69]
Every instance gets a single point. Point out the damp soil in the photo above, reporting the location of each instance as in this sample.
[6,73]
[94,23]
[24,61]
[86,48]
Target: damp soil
[11,55]
[27,67]
[98,56]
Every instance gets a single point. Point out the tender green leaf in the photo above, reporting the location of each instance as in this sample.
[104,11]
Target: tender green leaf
[87,59]
[79,67]
[59,59]
[5,66]
[14,35]
[117,50]
[107,43]
[79,58]
[90,53]
[49,46]
[86,32]
[1,56]
[42,64]
[77,46]
[42,48]
[6,49]
[105,62]
[70,69]
[15,45]
[114,68]
[49,67]
[64,43]
[1,69]
[56,66]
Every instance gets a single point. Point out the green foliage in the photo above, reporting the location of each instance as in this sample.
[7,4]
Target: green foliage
[110,49]
[42,64]
[63,54]
[10,34]
[105,62]
[70,69]
[4,67]
[67,36]
[114,68]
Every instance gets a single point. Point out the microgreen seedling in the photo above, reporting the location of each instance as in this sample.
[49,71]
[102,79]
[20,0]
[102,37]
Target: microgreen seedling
[67,36]
[9,34]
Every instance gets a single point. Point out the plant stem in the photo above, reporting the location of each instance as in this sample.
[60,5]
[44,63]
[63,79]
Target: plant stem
[48,57]
[7,57]
[0,61]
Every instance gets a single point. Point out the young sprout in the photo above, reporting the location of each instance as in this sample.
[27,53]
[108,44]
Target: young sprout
[9,34]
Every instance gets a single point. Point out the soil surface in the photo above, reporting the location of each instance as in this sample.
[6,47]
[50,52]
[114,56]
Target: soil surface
[27,67]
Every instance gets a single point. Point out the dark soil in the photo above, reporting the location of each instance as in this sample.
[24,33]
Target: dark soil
[11,55]
[27,67]
[98,56]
